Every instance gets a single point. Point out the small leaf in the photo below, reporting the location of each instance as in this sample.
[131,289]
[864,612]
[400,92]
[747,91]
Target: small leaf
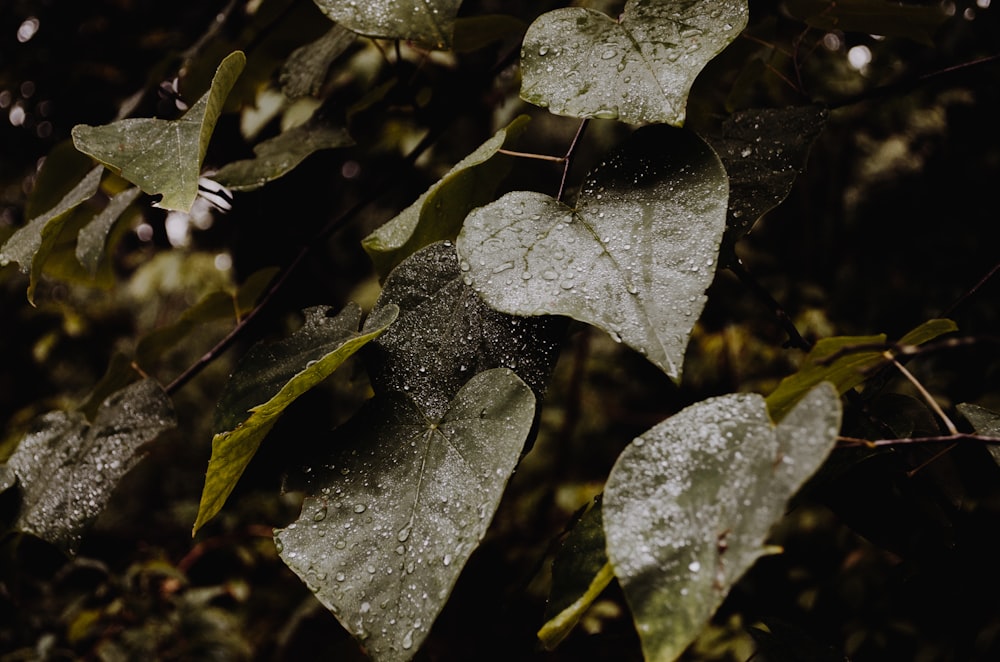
[582,63]
[68,468]
[689,505]
[396,510]
[580,572]
[31,244]
[984,422]
[305,70]
[914,21]
[634,257]
[439,212]
[163,156]
[427,22]
[268,379]
[93,237]
[928,331]
[279,155]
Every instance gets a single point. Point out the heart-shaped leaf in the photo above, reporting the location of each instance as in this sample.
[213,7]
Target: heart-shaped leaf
[68,468]
[267,380]
[32,243]
[396,510]
[640,68]
[438,213]
[279,155]
[163,156]
[634,257]
[689,505]
[426,22]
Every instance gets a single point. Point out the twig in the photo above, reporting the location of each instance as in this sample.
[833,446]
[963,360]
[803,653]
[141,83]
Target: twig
[529,155]
[569,157]
[928,398]
[934,439]
[795,339]
[992,272]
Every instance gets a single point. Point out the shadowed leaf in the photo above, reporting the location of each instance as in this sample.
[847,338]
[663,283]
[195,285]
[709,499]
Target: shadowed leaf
[427,22]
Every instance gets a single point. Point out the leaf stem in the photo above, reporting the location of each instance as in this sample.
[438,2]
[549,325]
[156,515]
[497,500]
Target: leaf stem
[569,156]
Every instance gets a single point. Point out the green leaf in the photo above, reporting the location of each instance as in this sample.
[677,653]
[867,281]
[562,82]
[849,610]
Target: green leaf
[634,257]
[445,334]
[163,156]
[68,468]
[918,22]
[31,244]
[305,70]
[267,380]
[928,331]
[984,422]
[580,572]
[689,505]
[763,150]
[439,212]
[640,68]
[397,508]
[93,237]
[427,22]
[279,155]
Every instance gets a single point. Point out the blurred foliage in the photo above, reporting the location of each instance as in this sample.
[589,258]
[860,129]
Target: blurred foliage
[888,553]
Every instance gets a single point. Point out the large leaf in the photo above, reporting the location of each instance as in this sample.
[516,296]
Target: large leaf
[427,22]
[689,505]
[763,150]
[438,213]
[163,156]
[67,467]
[445,334]
[634,257]
[914,21]
[32,243]
[279,155]
[640,68]
[985,422]
[396,510]
[267,380]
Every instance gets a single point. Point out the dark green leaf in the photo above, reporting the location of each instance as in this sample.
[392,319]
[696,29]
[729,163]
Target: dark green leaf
[67,468]
[914,21]
[396,510]
[689,505]
[163,156]
[304,72]
[640,68]
[427,22]
[267,380]
[634,257]
[93,238]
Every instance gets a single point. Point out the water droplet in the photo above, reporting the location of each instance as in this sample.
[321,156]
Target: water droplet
[544,50]
[340,577]
[694,566]
[403,534]
[447,559]
[320,514]
[608,54]
[360,508]
[408,640]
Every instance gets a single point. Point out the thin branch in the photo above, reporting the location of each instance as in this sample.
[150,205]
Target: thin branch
[935,439]
[795,339]
[928,398]
[992,272]
[908,350]
[529,155]
[569,156]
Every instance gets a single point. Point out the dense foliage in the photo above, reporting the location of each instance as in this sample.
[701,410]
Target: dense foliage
[654,329]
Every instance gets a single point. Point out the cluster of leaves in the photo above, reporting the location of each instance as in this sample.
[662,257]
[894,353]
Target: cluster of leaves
[476,294]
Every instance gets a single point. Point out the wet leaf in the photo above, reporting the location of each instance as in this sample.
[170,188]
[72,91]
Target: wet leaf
[445,334]
[984,422]
[914,21]
[67,467]
[396,510]
[31,244]
[163,156]
[267,380]
[93,237]
[305,70]
[276,157]
[427,22]
[689,505]
[580,572]
[764,150]
[634,257]
[439,212]
[640,68]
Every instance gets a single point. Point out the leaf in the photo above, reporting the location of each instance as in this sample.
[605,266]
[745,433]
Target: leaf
[475,32]
[306,68]
[163,156]
[267,380]
[580,572]
[396,510]
[93,237]
[634,257]
[880,17]
[445,334]
[439,212]
[689,505]
[427,22]
[31,244]
[848,368]
[764,150]
[582,63]
[984,422]
[279,155]
[67,468]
